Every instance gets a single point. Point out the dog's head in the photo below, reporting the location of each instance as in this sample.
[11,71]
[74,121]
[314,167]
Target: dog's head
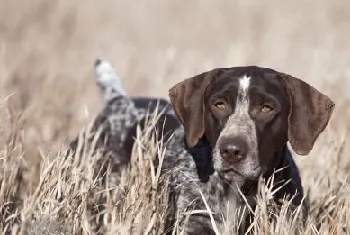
[249,113]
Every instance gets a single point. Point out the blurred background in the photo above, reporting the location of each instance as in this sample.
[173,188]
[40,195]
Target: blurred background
[47,50]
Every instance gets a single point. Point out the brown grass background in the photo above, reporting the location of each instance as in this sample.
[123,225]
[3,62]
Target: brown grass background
[47,49]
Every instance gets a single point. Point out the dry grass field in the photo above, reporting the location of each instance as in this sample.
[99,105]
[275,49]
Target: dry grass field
[48,95]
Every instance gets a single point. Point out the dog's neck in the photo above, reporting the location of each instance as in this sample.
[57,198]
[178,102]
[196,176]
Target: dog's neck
[276,162]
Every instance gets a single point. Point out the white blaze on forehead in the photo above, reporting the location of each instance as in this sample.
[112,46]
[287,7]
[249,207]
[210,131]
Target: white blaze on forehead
[244,83]
[242,102]
[241,113]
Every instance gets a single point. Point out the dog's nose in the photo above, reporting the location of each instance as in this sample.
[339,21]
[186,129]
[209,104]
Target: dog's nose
[233,149]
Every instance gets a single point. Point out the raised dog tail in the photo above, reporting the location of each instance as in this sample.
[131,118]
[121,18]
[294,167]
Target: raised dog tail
[108,80]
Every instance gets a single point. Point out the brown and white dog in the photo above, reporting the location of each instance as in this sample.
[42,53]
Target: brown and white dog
[235,126]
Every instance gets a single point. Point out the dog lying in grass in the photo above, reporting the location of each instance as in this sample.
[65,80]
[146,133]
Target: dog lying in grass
[235,126]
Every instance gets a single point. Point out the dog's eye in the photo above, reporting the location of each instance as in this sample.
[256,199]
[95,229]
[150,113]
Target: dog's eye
[220,105]
[266,108]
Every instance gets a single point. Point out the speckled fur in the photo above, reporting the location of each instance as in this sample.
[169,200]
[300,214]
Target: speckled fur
[185,167]
[191,172]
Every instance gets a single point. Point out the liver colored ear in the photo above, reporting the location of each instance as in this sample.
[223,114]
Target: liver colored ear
[187,99]
[310,111]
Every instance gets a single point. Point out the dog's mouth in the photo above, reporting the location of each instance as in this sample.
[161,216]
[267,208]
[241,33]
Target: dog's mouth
[252,174]
[248,181]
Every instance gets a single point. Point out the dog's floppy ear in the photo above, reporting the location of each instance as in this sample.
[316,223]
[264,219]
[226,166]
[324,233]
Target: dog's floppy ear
[187,99]
[309,114]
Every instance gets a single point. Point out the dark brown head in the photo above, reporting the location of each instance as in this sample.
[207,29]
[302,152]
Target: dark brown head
[249,113]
